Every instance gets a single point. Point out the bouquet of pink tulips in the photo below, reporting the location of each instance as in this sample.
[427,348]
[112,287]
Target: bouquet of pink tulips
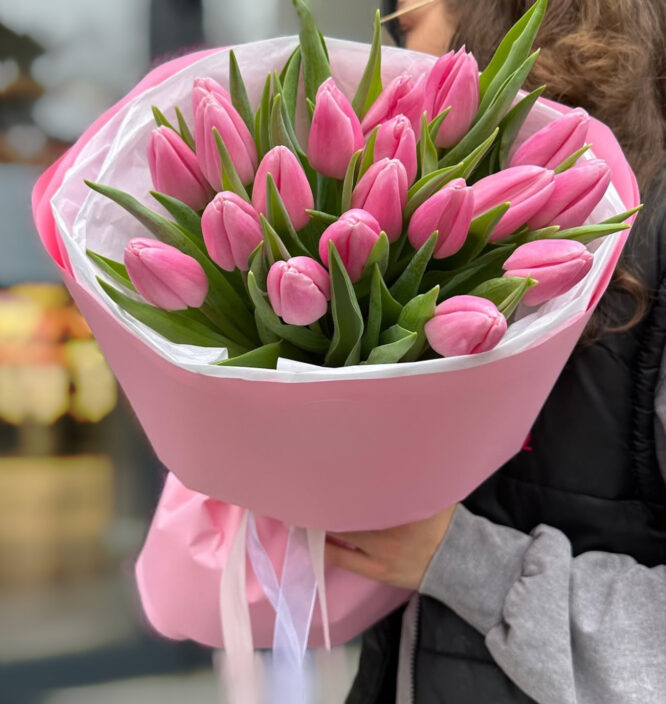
[315,286]
[405,226]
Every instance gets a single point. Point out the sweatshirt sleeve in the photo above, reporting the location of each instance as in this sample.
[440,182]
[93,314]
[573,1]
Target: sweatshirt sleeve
[583,630]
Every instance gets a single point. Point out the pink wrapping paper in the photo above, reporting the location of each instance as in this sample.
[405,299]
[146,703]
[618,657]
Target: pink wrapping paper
[348,454]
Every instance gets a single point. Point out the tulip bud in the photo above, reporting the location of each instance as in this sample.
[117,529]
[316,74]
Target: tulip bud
[557,141]
[556,265]
[165,276]
[354,236]
[403,96]
[231,230]
[453,82]
[213,109]
[335,133]
[175,170]
[396,140]
[450,212]
[576,194]
[291,182]
[465,325]
[299,290]
[382,191]
[527,188]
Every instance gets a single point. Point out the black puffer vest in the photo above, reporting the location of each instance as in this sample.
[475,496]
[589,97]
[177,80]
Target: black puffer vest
[591,471]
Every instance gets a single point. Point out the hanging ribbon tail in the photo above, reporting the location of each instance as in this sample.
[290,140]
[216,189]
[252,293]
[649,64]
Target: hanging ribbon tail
[317,544]
[239,673]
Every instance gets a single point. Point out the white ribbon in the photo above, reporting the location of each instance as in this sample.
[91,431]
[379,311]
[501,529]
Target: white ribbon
[293,599]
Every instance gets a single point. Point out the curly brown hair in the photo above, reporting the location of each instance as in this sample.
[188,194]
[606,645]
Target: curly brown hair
[608,56]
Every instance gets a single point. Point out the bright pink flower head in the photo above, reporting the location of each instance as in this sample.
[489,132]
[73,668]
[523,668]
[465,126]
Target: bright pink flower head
[576,194]
[527,188]
[453,82]
[557,141]
[212,109]
[299,290]
[382,191]
[354,236]
[450,212]
[175,170]
[165,276]
[231,230]
[335,133]
[465,325]
[403,96]
[557,266]
[291,182]
[396,140]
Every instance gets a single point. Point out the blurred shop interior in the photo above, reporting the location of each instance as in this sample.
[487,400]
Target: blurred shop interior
[78,481]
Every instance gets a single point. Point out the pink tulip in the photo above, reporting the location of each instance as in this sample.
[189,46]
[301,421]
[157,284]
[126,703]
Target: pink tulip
[354,236]
[550,146]
[175,170]
[291,182]
[382,191]
[396,140]
[299,290]
[465,325]
[450,212]
[231,230]
[403,96]
[207,87]
[335,133]
[453,82]
[213,109]
[577,193]
[165,276]
[527,188]
[557,266]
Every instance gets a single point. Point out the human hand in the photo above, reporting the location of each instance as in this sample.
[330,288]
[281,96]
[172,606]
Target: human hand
[398,556]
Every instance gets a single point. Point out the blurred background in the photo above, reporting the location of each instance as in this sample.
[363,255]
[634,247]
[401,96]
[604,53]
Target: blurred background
[78,482]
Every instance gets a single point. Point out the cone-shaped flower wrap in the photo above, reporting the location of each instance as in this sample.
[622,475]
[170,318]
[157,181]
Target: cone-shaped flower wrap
[403,96]
[335,133]
[291,182]
[354,236]
[175,170]
[453,83]
[556,265]
[212,110]
[382,191]
[450,212]
[299,290]
[396,140]
[555,142]
[527,188]
[576,194]
[465,325]
[231,230]
[165,276]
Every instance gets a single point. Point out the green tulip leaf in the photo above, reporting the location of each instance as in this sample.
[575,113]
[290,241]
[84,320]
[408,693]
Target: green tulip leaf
[350,181]
[185,216]
[230,179]
[370,85]
[325,219]
[345,346]
[505,292]
[290,79]
[427,186]
[257,265]
[301,337]
[511,125]
[160,119]
[398,342]
[316,66]
[428,156]
[275,248]
[589,233]
[238,91]
[177,326]
[621,217]
[511,53]
[414,316]
[115,270]
[368,158]
[265,357]
[281,129]
[379,256]
[571,160]
[262,120]
[407,285]
[279,219]
[184,130]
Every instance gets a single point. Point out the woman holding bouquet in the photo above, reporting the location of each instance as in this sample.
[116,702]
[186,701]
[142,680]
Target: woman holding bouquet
[549,583]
